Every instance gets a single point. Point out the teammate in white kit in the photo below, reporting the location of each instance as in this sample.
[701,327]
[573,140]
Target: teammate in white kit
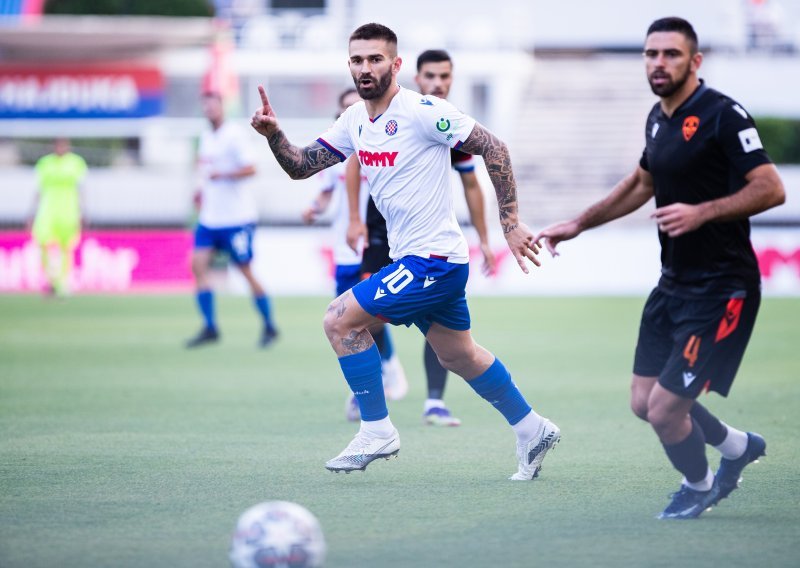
[333,194]
[403,141]
[227,219]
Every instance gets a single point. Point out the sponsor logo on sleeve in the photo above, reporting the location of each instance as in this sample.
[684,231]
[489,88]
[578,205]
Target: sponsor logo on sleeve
[750,140]
[443,125]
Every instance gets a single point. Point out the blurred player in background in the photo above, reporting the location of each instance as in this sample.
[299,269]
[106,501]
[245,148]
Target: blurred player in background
[57,220]
[434,77]
[403,140]
[346,259]
[227,219]
[333,194]
[704,162]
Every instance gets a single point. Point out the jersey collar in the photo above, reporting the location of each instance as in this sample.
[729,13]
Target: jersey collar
[694,97]
[391,102]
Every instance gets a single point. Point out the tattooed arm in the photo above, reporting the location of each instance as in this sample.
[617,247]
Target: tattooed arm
[299,163]
[498,163]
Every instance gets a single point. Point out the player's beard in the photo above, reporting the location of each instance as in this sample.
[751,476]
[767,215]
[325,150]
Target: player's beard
[672,86]
[380,84]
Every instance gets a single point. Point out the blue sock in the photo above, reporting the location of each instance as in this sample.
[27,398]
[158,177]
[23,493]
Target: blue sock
[362,371]
[262,304]
[383,339]
[496,386]
[205,301]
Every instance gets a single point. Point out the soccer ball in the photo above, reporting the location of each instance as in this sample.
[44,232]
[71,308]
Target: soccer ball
[277,534]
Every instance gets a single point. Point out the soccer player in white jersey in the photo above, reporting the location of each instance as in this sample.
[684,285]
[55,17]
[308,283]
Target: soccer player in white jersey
[227,219]
[403,141]
[434,77]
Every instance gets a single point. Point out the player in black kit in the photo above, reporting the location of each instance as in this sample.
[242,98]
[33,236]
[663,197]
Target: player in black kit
[708,171]
[434,77]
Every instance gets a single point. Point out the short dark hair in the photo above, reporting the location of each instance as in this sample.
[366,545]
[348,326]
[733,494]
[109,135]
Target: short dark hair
[675,24]
[432,56]
[374,31]
[345,94]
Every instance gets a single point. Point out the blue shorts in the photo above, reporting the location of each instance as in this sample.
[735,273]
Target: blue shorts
[236,241]
[419,291]
[347,276]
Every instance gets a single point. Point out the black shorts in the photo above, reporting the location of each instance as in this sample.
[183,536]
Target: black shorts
[376,256]
[697,344]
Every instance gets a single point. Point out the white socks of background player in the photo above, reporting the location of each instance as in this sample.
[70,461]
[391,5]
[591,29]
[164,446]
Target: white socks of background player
[734,444]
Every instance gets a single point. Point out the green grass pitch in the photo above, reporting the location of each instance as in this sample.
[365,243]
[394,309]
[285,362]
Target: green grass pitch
[118,448]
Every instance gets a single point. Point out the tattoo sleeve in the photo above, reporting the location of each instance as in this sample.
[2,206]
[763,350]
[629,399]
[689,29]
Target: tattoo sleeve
[300,163]
[498,163]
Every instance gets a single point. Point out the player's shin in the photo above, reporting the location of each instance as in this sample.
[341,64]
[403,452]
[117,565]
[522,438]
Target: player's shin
[362,371]
[689,457]
[713,429]
[495,385]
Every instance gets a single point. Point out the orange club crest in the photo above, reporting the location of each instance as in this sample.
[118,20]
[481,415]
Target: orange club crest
[690,125]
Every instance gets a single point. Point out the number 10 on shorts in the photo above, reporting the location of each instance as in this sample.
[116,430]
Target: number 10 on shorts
[397,280]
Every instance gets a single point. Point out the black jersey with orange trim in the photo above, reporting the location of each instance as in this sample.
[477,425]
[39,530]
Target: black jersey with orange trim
[703,152]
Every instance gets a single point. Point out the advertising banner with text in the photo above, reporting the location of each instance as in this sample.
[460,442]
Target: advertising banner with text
[300,262]
[124,90]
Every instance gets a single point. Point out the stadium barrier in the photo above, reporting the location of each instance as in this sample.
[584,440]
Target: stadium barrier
[607,261]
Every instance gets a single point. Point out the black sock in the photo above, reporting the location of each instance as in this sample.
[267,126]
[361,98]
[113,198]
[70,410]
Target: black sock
[713,430]
[380,339]
[435,373]
[689,456]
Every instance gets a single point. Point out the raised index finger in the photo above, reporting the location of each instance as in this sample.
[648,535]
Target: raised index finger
[263,93]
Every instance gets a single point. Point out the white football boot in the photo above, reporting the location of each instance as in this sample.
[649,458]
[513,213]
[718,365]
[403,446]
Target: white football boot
[530,454]
[363,450]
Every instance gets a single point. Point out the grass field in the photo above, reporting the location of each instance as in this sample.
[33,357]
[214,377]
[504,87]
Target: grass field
[118,448]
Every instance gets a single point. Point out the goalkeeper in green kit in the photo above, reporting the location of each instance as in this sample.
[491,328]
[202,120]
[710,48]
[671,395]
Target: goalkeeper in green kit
[57,221]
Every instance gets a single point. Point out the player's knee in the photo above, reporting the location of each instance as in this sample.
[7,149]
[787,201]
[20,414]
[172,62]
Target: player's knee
[450,363]
[198,268]
[639,407]
[660,419]
[461,362]
[331,324]
[335,326]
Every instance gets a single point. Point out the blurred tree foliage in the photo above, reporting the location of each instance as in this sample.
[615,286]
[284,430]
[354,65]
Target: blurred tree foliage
[781,138]
[200,8]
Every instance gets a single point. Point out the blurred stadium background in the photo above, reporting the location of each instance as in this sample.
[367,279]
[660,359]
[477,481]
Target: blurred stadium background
[561,82]
[120,448]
